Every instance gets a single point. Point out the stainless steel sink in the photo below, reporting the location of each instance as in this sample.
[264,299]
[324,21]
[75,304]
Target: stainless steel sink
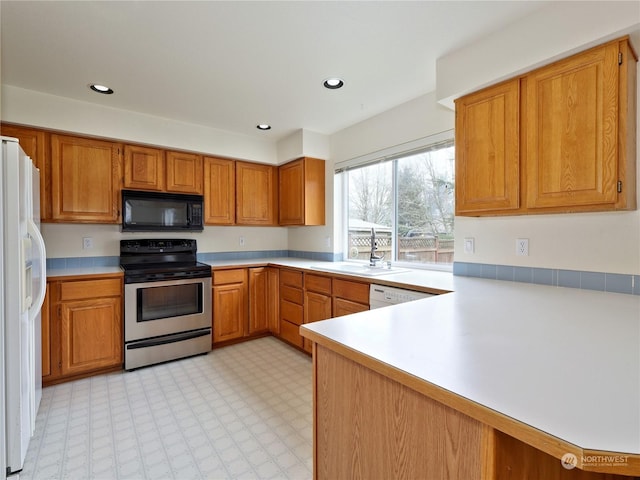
[355,269]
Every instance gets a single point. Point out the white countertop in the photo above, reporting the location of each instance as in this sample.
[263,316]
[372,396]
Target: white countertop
[564,361]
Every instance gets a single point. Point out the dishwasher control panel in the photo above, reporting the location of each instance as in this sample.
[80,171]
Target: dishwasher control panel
[382,296]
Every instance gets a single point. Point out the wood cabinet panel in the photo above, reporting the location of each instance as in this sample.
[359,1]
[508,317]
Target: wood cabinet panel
[487,149]
[355,291]
[35,143]
[317,283]
[292,278]
[235,275]
[572,147]
[291,312]
[258,294]
[388,429]
[346,307]
[219,191]
[184,172]
[256,194]
[273,299]
[144,168]
[317,306]
[86,176]
[91,335]
[291,333]
[229,311]
[88,289]
[301,184]
[292,294]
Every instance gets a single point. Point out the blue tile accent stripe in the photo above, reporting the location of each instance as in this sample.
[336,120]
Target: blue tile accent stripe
[82,262]
[600,281]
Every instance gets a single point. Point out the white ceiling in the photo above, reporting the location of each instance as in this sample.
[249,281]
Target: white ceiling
[233,64]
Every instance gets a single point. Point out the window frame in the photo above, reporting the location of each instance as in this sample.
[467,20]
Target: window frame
[391,154]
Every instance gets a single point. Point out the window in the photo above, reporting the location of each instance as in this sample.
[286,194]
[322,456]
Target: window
[408,199]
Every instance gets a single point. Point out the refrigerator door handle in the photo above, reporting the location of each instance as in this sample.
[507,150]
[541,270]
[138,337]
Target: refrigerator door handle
[32,230]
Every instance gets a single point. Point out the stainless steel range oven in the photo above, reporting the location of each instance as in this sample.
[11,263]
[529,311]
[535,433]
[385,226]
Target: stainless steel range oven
[167,301]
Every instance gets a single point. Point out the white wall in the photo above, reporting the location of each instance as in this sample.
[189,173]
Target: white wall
[65,240]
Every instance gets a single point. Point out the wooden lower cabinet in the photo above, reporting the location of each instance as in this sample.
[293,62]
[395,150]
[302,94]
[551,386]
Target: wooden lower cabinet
[291,306]
[349,297]
[82,327]
[244,303]
[229,304]
[317,301]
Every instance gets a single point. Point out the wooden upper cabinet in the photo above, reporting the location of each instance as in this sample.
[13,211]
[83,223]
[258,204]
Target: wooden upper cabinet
[301,184]
[487,150]
[144,168]
[572,149]
[34,143]
[256,194]
[184,172]
[219,191]
[86,176]
[561,138]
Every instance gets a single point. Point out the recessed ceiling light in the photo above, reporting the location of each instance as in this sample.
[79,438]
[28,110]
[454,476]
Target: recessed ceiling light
[96,87]
[263,126]
[333,83]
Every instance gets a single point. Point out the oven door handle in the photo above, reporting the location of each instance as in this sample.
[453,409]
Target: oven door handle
[179,337]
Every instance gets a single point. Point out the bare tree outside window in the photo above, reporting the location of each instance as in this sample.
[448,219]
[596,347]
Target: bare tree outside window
[418,200]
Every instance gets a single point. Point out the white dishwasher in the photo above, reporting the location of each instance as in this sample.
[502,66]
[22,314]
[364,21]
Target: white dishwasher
[383,296]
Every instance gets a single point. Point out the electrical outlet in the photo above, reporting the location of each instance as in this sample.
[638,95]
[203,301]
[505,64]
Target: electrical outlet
[469,245]
[87,243]
[522,247]
[241,240]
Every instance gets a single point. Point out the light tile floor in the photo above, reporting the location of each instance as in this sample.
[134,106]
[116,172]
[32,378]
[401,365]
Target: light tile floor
[243,411]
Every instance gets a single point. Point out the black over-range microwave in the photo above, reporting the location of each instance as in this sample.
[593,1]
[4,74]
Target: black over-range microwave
[161,212]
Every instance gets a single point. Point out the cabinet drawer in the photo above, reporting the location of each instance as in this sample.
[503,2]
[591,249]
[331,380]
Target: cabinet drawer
[223,277]
[292,294]
[290,277]
[291,312]
[291,333]
[316,283]
[88,289]
[358,292]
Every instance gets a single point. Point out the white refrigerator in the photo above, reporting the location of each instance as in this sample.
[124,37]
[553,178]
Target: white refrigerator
[23,288]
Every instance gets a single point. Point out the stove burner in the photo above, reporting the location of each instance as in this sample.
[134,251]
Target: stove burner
[157,260]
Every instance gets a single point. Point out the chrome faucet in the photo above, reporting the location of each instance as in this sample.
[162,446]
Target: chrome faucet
[373,258]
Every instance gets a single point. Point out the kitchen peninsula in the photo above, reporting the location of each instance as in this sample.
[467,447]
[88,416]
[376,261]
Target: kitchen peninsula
[496,380]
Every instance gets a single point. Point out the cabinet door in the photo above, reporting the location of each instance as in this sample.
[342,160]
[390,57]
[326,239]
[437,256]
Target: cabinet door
[229,311]
[258,294]
[487,150]
[143,168]
[34,144]
[291,193]
[91,335]
[317,306]
[256,194]
[219,191]
[184,172]
[85,180]
[301,188]
[572,131]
